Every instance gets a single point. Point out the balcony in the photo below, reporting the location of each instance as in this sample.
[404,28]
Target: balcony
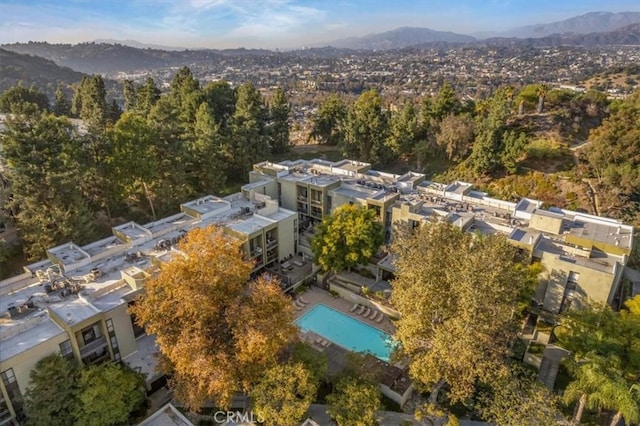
[272,243]
[95,346]
[257,251]
[316,202]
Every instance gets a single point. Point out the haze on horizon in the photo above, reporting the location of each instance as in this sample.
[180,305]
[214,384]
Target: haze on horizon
[270,23]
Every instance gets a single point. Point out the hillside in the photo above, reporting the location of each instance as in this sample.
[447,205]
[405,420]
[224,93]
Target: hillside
[95,58]
[43,73]
[593,22]
[399,38]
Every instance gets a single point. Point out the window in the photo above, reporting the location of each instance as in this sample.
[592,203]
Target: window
[112,338]
[13,392]
[91,333]
[66,350]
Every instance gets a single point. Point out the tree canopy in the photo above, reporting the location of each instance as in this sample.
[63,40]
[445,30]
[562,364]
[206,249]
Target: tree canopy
[52,394]
[110,394]
[284,394]
[457,292]
[218,333]
[354,402]
[349,236]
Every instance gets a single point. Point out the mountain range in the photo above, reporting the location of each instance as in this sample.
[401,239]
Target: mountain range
[593,22]
[107,58]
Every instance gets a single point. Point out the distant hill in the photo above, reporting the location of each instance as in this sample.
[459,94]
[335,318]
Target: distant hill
[628,35]
[399,38]
[593,22]
[94,58]
[138,45]
[45,74]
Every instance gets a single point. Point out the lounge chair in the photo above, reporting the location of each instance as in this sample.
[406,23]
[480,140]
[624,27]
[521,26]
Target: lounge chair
[326,343]
[360,310]
[366,312]
[319,340]
[373,315]
[302,300]
[379,320]
[354,307]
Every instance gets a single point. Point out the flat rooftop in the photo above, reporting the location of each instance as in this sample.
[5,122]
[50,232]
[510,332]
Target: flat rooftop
[207,205]
[29,338]
[250,225]
[609,233]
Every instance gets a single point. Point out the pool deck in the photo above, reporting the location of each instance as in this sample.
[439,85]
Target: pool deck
[317,296]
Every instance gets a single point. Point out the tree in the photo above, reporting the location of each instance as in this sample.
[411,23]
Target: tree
[284,394]
[207,154]
[90,103]
[404,130]
[458,293]
[62,106]
[279,111]
[455,135]
[133,159]
[108,395]
[613,156]
[184,93]
[445,103]
[605,358]
[366,130]
[218,333]
[17,98]
[541,91]
[129,93]
[41,160]
[354,403]
[346,238]
[519,399]
[147,96]
[315,362]
[51,396]
[221,98]
[327,125]
[248,129]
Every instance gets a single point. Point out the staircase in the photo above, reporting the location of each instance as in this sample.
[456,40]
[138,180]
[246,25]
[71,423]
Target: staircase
[550,365]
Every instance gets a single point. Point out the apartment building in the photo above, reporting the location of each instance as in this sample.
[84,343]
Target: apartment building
[583,256]
[76,301]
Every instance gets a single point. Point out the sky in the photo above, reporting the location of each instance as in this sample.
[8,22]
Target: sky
[270,23]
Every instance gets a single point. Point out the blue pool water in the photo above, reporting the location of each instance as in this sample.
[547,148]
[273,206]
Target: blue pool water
[347,332]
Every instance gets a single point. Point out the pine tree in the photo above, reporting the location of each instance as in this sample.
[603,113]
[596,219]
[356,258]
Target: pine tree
[279,122]
[62,106]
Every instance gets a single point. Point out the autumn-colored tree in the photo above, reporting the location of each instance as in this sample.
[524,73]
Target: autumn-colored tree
[457,293]
[346,238]
[218,333]
[520,399]
[284,394]
[354,402]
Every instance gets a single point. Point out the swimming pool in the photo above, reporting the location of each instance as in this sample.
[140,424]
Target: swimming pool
[346,331]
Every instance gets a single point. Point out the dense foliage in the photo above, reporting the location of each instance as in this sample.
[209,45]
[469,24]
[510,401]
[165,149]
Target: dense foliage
[67,181]
[61,393]
[218,333]
[349,236]
[448,282]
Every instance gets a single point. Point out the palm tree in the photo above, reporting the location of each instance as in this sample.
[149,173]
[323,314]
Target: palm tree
[542,93]
[589,378]
[625,400]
